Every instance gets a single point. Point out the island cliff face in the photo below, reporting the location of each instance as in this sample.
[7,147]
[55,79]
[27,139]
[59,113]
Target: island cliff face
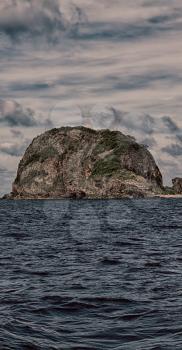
[77,162]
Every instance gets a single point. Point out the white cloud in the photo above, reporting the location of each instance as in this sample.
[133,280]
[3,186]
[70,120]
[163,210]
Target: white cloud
[18,18]
[12,114]
[32,19]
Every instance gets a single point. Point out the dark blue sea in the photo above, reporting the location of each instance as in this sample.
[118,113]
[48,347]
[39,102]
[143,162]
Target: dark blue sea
[91,275]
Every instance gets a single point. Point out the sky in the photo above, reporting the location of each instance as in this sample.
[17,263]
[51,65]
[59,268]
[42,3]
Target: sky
[104,64]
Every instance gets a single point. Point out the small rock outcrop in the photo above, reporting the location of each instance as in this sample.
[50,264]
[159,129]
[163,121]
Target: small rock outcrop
[78,162]
[177,185]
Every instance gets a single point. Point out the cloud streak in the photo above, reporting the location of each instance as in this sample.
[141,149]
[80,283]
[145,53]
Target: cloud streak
[22,19]
[174,150]
[14,149]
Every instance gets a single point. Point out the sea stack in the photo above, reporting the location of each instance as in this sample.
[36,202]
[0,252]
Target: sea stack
[177,185]
[79,162]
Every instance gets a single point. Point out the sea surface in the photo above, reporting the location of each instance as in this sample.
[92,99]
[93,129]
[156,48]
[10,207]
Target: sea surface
[91,275]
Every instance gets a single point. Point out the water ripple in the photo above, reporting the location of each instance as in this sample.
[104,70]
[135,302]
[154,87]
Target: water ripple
[92,282]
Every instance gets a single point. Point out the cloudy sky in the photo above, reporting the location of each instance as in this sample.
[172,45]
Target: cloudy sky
[115,64]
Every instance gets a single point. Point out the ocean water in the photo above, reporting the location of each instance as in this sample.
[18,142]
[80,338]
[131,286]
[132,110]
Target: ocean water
[92,275]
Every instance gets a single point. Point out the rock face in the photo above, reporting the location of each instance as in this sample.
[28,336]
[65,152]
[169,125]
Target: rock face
[177,185]
[77,162]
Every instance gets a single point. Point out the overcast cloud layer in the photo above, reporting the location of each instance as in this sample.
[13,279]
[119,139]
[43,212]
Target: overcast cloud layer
[115,64]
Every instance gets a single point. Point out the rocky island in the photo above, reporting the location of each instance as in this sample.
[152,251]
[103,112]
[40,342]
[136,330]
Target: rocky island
[79,162]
